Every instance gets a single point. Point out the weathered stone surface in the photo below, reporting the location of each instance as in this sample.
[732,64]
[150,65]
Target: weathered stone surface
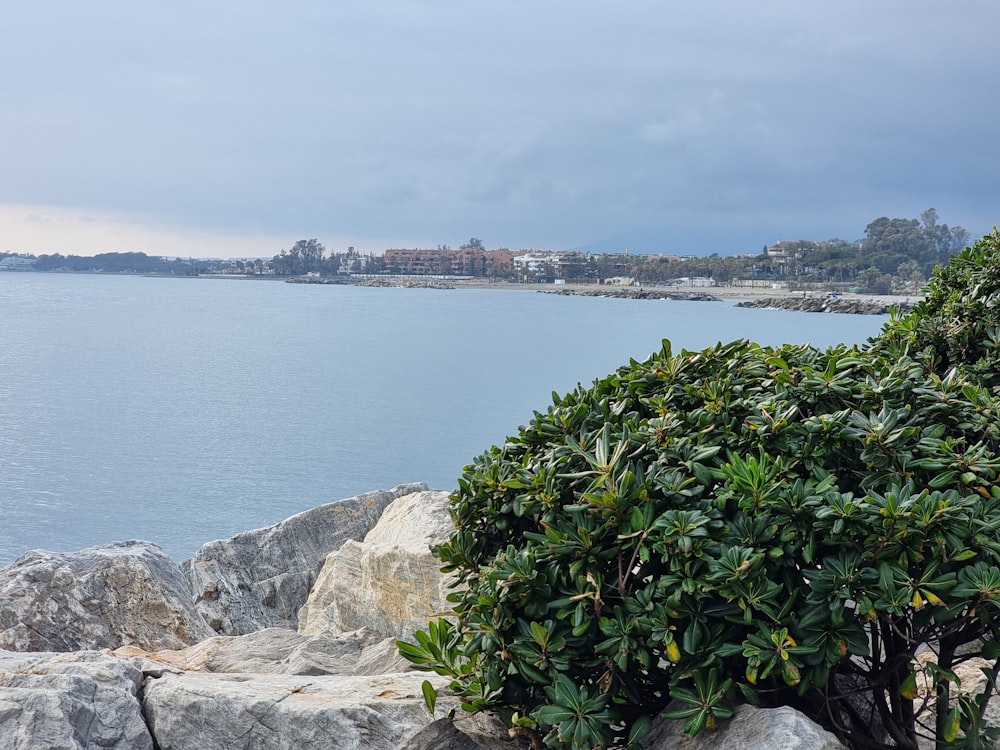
[464,732]
[971,682]
[261,578]
[390,583]
[79,701]
[279,651]
[222,712]
[101,597]
[750,729]
[866,306]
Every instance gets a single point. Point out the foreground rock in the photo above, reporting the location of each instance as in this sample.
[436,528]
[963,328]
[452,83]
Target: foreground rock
[279,651]
[750,729]
[260,578]
[68,701]
[222,712]
[127,593]
[340,685]
[464,732]
[391,583]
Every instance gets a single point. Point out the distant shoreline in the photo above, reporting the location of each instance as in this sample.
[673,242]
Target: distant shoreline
[781,299]
[744,296]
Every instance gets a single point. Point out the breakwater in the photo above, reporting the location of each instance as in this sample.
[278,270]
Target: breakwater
[632,292]
[828,305]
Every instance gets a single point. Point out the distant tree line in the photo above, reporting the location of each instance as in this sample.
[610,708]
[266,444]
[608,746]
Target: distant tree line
[132,262]
[894,255]
[309,256]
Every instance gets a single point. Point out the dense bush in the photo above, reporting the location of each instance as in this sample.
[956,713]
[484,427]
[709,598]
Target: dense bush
[775,525]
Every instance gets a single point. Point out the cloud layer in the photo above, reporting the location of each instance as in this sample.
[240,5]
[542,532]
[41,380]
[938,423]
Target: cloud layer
[714,127]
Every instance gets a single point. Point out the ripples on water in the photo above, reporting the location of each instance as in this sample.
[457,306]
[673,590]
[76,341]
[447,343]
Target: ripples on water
[185,410]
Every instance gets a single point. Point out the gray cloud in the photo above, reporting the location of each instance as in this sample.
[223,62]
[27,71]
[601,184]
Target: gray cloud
[719,126]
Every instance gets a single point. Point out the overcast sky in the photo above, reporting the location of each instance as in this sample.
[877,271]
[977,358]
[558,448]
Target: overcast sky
[225,127]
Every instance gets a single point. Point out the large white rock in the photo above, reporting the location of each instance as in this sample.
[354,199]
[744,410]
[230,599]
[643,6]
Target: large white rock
[463,732]
[223,712]
[750,728]
[126,593]
[391,583]
[279,651]
[261,578]
[79,701]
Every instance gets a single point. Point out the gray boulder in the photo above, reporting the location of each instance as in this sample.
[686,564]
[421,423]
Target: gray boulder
[81,701]
[126,593]
[750,728]
[390,583]
[279,651]
[222,712]
[261,578]
[463,732]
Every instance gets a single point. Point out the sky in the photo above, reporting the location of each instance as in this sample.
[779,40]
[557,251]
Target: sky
[227,128]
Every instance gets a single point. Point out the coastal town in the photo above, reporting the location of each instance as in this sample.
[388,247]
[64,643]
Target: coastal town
[894,258]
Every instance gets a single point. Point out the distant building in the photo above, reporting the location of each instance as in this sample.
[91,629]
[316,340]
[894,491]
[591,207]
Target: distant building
[466,261]
[696,281]
[16,263]
[548,264]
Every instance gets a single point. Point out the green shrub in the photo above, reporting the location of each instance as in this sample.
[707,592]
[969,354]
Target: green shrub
[777,525]
[957,322]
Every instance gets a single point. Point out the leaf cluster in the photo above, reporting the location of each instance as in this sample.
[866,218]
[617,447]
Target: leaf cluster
[778,525]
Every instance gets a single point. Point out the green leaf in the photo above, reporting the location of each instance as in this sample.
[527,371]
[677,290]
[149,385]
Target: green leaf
[640,728]
[991,649]
[430,695]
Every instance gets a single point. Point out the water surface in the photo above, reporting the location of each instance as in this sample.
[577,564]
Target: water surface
[185,410]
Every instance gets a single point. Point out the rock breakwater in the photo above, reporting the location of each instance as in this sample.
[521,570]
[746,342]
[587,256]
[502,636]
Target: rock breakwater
[629,292]
[852,306]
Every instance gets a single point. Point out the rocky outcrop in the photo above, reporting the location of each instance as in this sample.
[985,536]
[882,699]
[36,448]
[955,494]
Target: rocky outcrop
[261,578]
[466,732]
[827,304]
[279,651]
[222,712]
[67,701]
[750,729]
[634,292]
[406,283]
[128,593]
[391,583]
[338,683]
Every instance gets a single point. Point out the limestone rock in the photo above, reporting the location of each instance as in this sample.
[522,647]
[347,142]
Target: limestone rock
[390,583]
[465,732]
[828,305]
[261,578]
[101,597]
[80,701]
[279,651]
[971,682]
[750,728]
[222,712]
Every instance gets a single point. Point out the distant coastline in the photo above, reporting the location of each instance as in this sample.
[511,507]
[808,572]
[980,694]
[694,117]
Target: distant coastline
[772,297]
[743,296]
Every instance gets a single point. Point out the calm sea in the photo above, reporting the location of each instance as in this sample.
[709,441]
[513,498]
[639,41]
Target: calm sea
[186,410]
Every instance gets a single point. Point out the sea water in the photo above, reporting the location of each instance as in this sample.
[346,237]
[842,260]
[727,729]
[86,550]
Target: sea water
[185,410]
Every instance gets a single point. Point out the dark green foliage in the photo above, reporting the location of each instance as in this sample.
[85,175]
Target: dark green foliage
[775,525]
[957,323]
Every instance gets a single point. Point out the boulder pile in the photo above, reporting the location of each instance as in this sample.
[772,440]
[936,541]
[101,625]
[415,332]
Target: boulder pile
[850,306]
[281,637]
